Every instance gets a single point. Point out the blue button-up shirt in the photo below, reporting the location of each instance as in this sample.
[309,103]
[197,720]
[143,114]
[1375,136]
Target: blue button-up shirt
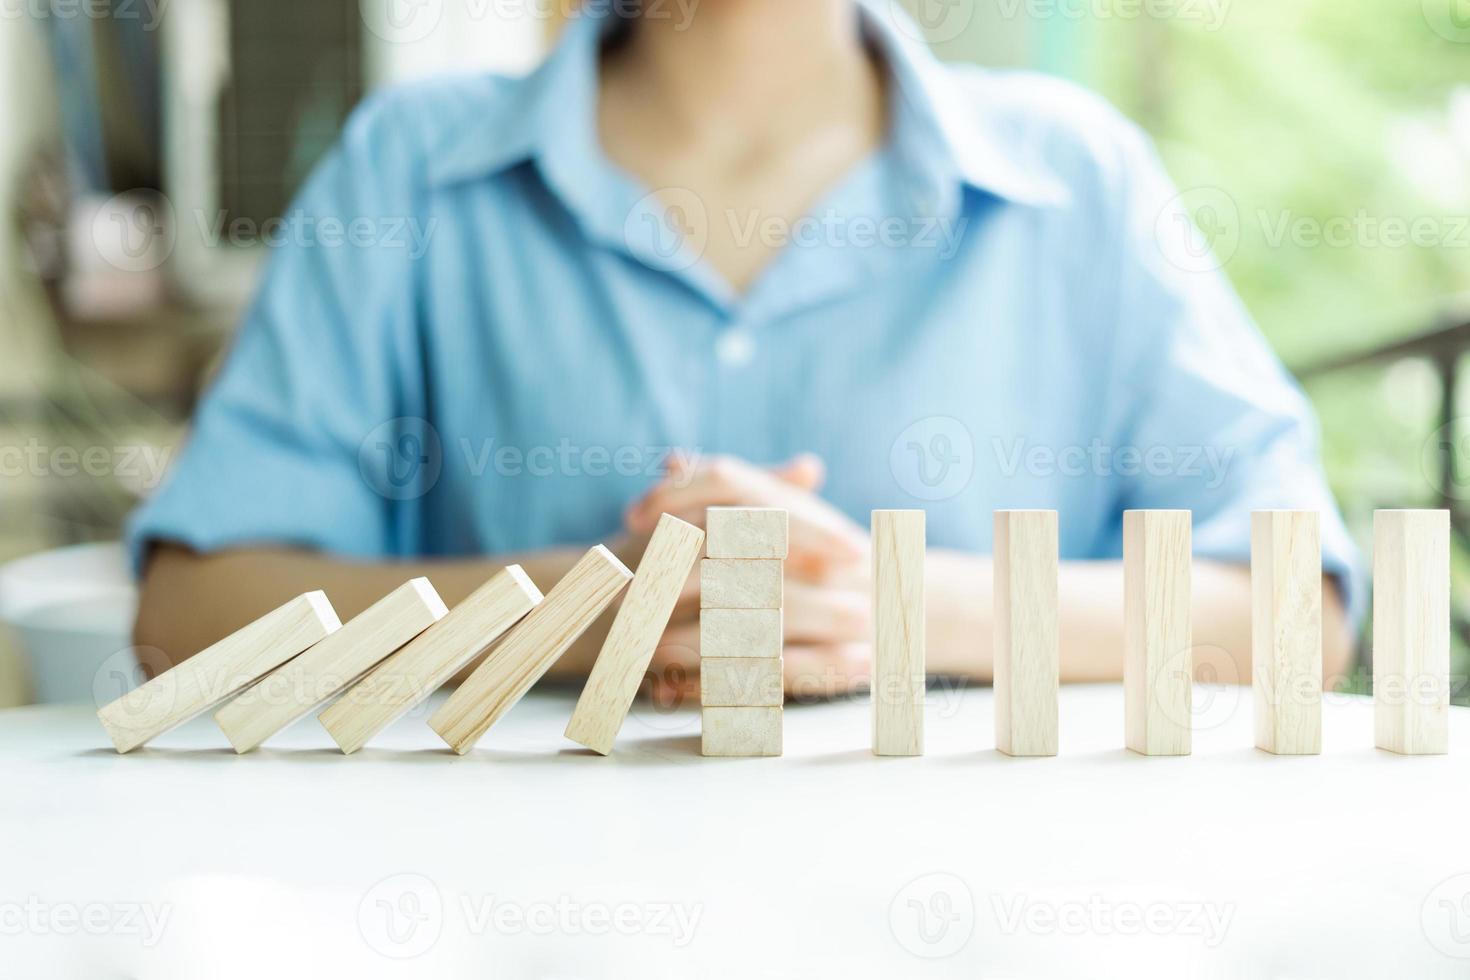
[476,335]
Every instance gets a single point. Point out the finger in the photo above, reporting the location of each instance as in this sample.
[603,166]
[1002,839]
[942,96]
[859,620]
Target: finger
[813,614]
[677,648]
[720,481]
[826,671]
[680,467]
[806,471]
[818,533]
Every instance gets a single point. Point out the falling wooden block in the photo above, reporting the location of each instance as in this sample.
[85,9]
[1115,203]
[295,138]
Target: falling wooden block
[1026,660]
[290,691]
[529,651]
[430,659]
[1286,631]
[615,676]
[898,632]
[740,732]
[746,532]
[736,583]
[1158,671]
[740,682]
[219,671]
[726,633]
[1411,631]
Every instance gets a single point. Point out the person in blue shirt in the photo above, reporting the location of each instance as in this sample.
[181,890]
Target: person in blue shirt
[772,254]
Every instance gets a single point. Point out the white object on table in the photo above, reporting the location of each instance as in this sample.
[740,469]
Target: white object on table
[72,610]
[533,857]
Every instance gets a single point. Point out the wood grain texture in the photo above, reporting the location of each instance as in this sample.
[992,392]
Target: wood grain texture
[218,671]
[751,682]
[290,691]
[725,633]
[1411,631]
[898,632]
[740,732]
[531,648]
[1286,631]
[746,532]
[737,583]
[1158,671]
[618,670]
[1026,656]
[430,659]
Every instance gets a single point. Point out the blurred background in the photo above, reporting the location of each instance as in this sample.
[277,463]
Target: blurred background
[1323,146]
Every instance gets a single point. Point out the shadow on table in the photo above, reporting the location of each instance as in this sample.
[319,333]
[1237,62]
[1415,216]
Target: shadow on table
[643,752]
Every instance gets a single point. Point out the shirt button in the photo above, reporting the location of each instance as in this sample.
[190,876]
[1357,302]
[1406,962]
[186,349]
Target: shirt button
[735,348]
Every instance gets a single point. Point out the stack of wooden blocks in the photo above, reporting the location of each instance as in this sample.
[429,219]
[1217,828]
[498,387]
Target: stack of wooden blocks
[740,627]
[389,658]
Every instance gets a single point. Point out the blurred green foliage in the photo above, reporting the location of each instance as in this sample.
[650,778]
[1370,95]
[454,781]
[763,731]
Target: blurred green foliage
[1332,126]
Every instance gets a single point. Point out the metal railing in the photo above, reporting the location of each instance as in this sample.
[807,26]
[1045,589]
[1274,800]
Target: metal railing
[1444,346]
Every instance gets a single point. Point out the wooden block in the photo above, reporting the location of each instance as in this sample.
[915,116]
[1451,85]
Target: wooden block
[218,671]
[1411,631]
[1286,631]
[1158,670]
[293,689]
[529,651]
[737,583]
[746,532]
[740,732]
[618,670]
[430,659]
[740,682]
[1026,659]
[725,633]
[898,632]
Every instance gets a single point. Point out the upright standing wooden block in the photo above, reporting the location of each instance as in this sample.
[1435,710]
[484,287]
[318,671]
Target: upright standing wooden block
[430,659]
[898,632]
[1286,631]
[529,651]
[1411,631]
[1158,671]
[750,682]
[725,633]
[746,532]
[635,633]
[737,583]
[219,671]
[293,689]
[1026,657]
[740,731]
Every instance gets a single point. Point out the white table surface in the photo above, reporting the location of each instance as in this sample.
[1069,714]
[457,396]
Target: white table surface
[408,861]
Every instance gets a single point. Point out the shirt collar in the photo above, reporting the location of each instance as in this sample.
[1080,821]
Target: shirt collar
[943,130]
[943,134]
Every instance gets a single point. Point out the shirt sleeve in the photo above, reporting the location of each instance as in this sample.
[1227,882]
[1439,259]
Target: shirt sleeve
[1206,416]
[284,449]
